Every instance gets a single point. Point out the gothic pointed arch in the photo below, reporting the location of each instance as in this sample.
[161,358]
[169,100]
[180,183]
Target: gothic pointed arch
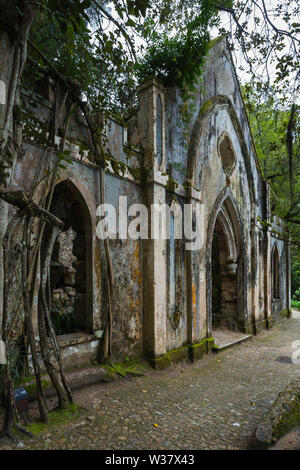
[225,241]
[275,273]
[206,110]
[71,279]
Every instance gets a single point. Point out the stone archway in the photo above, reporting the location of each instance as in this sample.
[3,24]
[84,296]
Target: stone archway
[224,276]
[275,273]
[71,264]
[225,268]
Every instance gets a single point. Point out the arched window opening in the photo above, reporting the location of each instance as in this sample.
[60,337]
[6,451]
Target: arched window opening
[224,276]
[261,273]
[276,290]
[69,268]
[159,137]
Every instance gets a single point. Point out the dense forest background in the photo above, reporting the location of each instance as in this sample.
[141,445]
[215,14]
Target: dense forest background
[275,128]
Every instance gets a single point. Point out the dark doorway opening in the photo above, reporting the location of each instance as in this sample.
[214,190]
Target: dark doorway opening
[224,283]
[69,276]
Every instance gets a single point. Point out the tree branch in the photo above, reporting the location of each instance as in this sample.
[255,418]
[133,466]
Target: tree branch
[232,13]
[20,200]
[119,26]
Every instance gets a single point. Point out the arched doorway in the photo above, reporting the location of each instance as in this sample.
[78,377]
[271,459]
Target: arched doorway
[225,270]
[70,268]
[224,281]
[275,273]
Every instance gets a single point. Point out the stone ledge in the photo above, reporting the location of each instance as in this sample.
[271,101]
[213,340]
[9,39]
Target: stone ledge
[77,379]
[78,349]
[231,343]
[72,339]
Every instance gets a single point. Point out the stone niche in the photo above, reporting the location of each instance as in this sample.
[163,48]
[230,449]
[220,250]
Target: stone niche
[68,266]
[226,152]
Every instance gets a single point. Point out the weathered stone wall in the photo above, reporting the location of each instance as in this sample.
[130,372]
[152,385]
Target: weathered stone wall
[82,178]
[127,266]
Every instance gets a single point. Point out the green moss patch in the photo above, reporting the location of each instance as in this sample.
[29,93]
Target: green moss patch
[282,315]
[283,416]
[56,418]
[288,422]
[192,352]
[31,388]
[125,368]
[197,350]
[174,355]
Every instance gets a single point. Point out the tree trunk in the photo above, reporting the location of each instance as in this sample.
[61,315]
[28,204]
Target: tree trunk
[9,403]
[29,328]
[43,313]
[8,386]
[16,17]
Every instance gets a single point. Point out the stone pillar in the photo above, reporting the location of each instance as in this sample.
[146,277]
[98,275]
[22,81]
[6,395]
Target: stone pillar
[268,278]
[288,273]
[254,275]
[154,277]
[154,251]
[196,319]
[3,227]
[146,133]
[268,261]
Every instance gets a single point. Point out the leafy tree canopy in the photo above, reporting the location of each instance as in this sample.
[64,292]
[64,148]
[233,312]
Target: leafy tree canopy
[106,46]
[275,127]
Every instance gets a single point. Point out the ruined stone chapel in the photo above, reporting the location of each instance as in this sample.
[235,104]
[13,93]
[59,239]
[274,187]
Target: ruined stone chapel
[169,303]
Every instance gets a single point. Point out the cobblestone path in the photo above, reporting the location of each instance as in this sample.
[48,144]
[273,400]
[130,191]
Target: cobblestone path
[213,404]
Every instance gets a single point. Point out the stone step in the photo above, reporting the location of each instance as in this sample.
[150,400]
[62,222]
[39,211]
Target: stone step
[221,347]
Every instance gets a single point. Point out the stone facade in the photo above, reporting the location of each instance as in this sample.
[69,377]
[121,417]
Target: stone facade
[168,300]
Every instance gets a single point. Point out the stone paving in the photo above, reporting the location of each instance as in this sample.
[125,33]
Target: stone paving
[213,404]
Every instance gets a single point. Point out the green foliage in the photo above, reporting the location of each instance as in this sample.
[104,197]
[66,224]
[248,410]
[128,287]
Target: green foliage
[296,295]
[56,418]
[295,279]
[269,117]
[16,360]
[175,61]
[62,318]
[100,60]
[178,59]
[266,36]
[31,388]
[128,367]
[296,304]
